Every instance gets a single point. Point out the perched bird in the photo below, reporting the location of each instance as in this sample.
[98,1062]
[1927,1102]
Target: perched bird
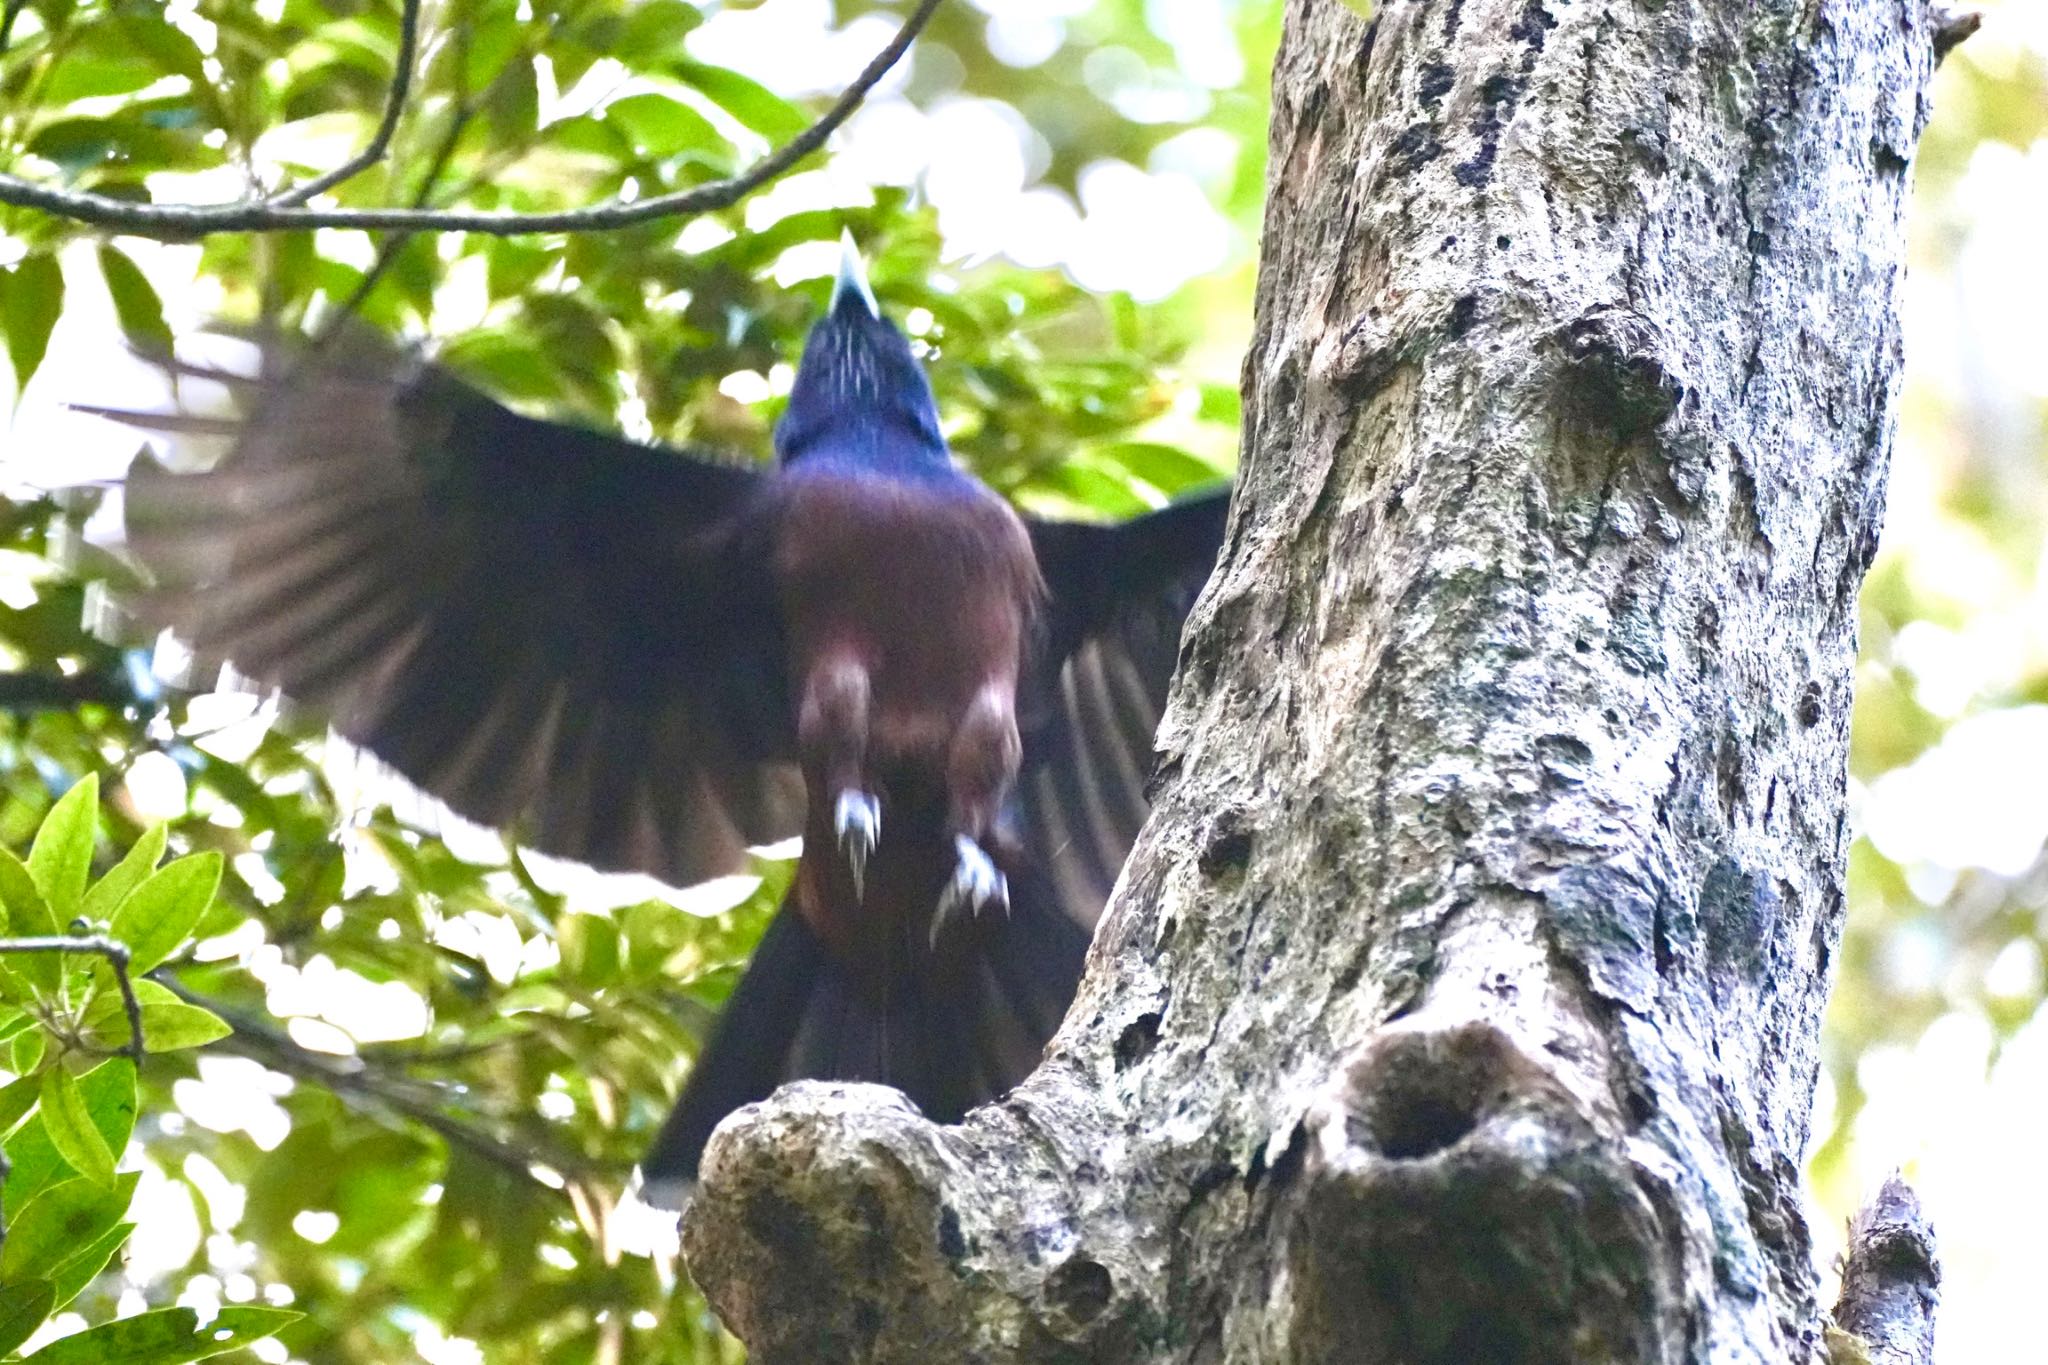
[648,660]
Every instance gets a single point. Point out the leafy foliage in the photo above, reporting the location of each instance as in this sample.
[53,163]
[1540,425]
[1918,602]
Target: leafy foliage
[460,1174]
[71,1109]
[387,1188]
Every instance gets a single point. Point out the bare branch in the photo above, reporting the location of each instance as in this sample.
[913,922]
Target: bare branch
[178,222]
[22,693]
[1952,28]
[1891,1279]
[363,1085]
[116,954]
[394,109]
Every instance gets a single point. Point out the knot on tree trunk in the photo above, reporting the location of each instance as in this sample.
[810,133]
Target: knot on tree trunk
[1459,1202]
[835,1222]
[822,1207]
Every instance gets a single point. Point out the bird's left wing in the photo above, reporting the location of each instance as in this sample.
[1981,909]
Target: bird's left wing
[552,630]
[1117,597]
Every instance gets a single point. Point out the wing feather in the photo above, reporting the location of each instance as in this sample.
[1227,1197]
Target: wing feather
[546,627]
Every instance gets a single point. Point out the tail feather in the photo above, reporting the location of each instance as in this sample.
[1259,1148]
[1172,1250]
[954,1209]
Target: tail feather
[746,1057]
[951,1030]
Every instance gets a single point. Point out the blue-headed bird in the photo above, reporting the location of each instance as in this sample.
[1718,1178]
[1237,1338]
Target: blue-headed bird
[649,660]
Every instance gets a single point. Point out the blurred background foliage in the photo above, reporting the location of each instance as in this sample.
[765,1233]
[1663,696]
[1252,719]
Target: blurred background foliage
[448,1053]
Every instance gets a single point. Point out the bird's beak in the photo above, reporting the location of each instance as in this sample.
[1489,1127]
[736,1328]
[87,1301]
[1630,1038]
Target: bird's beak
[853,278]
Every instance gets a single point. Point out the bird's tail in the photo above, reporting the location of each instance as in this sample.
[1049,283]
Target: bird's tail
[952,1028]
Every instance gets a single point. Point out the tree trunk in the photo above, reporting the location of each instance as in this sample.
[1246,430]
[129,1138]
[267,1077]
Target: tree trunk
[1461,1000]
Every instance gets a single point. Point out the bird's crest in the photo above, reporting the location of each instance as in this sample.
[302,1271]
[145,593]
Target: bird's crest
[861,398]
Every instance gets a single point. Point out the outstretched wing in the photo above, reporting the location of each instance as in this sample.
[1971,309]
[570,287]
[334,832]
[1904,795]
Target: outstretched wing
[1117,598]
[552,630]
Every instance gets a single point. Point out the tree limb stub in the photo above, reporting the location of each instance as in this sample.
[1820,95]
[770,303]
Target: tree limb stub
[1891,1279]
[287,212]
[1461,999]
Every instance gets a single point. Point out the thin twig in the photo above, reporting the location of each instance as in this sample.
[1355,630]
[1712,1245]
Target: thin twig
[116,954]
[388,249]
[177,222]
[363,1084]
[394,109]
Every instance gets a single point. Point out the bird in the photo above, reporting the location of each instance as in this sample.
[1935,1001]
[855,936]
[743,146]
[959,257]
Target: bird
[653,659]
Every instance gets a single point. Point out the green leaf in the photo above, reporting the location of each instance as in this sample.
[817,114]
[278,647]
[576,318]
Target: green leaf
[56,1225]
[81,1270]
[590,949]
[747,100]
[1167,468]
[662,127]
[136,305]
[13,989]
[30,302]
[17,1097]
[511,104]
[158,916]
[22,1309]
[168,1336]
[168,1023]
[168,46]
[108,892]
[109,1091]
[28,914]
[61,858]
[25,1053]
[71,1128]
[656,29]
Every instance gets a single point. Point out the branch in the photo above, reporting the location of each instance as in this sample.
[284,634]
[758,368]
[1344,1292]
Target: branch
[22,693]
[1891,1281]
[116,954]
[1952,28]
[394,108]
[176,222]
[389,247]
[362,1085]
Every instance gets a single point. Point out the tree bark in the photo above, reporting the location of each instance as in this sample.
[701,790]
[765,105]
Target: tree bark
[1461,1000]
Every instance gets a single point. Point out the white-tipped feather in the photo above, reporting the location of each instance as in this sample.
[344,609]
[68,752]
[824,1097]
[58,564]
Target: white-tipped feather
[853,276]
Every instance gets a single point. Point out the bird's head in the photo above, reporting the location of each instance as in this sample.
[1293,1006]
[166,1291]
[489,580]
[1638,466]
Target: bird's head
[860,396]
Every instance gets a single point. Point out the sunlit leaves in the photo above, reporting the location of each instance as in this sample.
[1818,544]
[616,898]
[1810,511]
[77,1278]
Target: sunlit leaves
[31,298]
[56,1225]
[159,915]
[168,1023]
[559,1026]
[136,305]
[106,895]
[23,1307]
[71,1128]
[662,126]
[746,99]
[167,1336]
[62,853]
[28,914]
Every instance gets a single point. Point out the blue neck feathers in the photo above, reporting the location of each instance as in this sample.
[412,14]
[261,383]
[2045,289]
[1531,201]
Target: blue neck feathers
[860,399]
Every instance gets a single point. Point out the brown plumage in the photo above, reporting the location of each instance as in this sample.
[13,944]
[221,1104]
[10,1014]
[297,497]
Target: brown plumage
[648,660]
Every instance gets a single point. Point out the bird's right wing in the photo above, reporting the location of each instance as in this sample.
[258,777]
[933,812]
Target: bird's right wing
[553,630]
[1117,597]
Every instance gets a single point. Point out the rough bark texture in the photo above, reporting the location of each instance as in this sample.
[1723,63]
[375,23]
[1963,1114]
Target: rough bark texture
[1460,1002]
[1891,1282]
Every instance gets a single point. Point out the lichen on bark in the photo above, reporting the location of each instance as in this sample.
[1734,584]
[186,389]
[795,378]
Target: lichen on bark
[1461,999]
